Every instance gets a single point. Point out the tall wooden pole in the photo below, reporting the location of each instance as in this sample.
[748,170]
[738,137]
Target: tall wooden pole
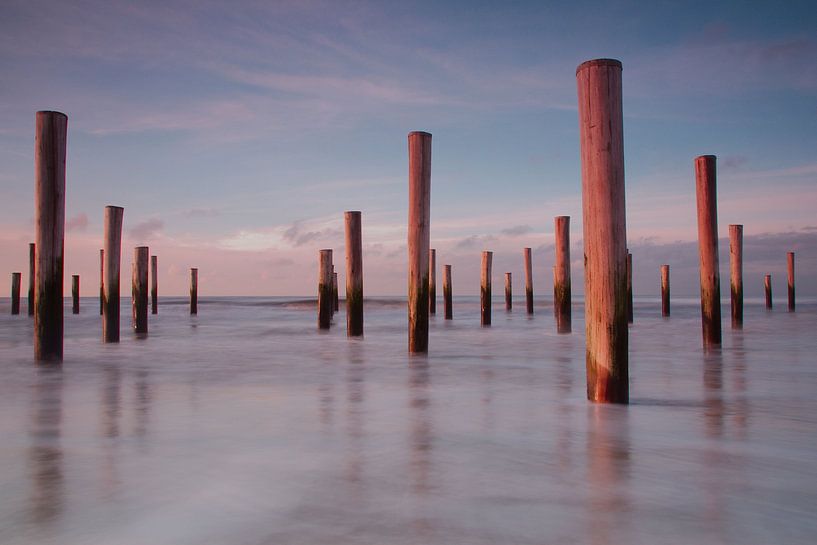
[194,291]
[432,281]
[736,274]
[665,311]
[447,299]
[790,278]
[561,276]
[605,233]
[707,204]
[15,292]
[49,210]
[154,284]
[111,252]
[767,288]
[354,274]
[485,288]
[419,231]
[75,293]
[325,300]
[528,280]
[32,268]
[629,288]
[508,292]
[101,281]
[139,290]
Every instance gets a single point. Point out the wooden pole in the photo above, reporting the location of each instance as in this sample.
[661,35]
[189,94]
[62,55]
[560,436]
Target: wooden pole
[767,287]
[432,281]
[335,296]
[605,233]
[419,229]
[111,252]
[736,274]
[790,279]
[354,274]
[629,288]
[707,204]
[528,280]
[32,260]
[154,284]
[447,300]
[194,291]
[325,299]
[75,293]
[15,292]
[665,290]
[101,281]
[485,288]
[49,196]
[508,292]
[561,276]
[139,290]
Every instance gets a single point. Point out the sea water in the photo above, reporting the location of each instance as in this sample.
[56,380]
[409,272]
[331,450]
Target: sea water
[247,425]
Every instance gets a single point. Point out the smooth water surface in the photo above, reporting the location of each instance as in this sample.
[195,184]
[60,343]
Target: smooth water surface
[246,425]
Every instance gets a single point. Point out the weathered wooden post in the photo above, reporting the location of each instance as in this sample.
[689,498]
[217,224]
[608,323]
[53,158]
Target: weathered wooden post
[605,233]
[707,203]
[562,299]
[767,287]
[194,291]
[790,278]
[485,288]
[154,284]
[528,280]
[139,290]
[736,274]
[15,292]
[629,287]
[325,299]
[110,283]
[335,296]
[665,290]
[75,293]
[354,274]
[49,211]
[432,281]
[508,292]
[447,300]
[32,268]
[101,281]
[419,230]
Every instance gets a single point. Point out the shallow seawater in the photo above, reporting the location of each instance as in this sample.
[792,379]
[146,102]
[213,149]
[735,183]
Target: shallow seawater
[246,425]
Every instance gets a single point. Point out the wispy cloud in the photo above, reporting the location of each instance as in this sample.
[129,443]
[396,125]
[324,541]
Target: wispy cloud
[146,230]
[77,223]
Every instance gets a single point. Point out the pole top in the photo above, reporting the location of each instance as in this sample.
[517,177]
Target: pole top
[114,207]
[419,133]
[51,112]
[599,62]
[705,158]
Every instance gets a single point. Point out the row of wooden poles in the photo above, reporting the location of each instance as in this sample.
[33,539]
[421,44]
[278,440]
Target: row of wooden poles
[608,269]
[113,231]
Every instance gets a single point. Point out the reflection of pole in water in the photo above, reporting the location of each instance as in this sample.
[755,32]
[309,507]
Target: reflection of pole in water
[421,434]
[142,403]
[713,395]
[355,412]
[608,462]
[111,410]
[740,408]
[45,453]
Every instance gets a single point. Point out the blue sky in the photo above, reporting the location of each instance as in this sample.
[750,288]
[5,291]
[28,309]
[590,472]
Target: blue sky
[236,134]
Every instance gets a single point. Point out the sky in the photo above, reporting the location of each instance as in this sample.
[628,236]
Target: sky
[235,134]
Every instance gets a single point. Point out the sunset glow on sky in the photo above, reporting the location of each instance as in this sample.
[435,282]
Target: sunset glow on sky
[236,134]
